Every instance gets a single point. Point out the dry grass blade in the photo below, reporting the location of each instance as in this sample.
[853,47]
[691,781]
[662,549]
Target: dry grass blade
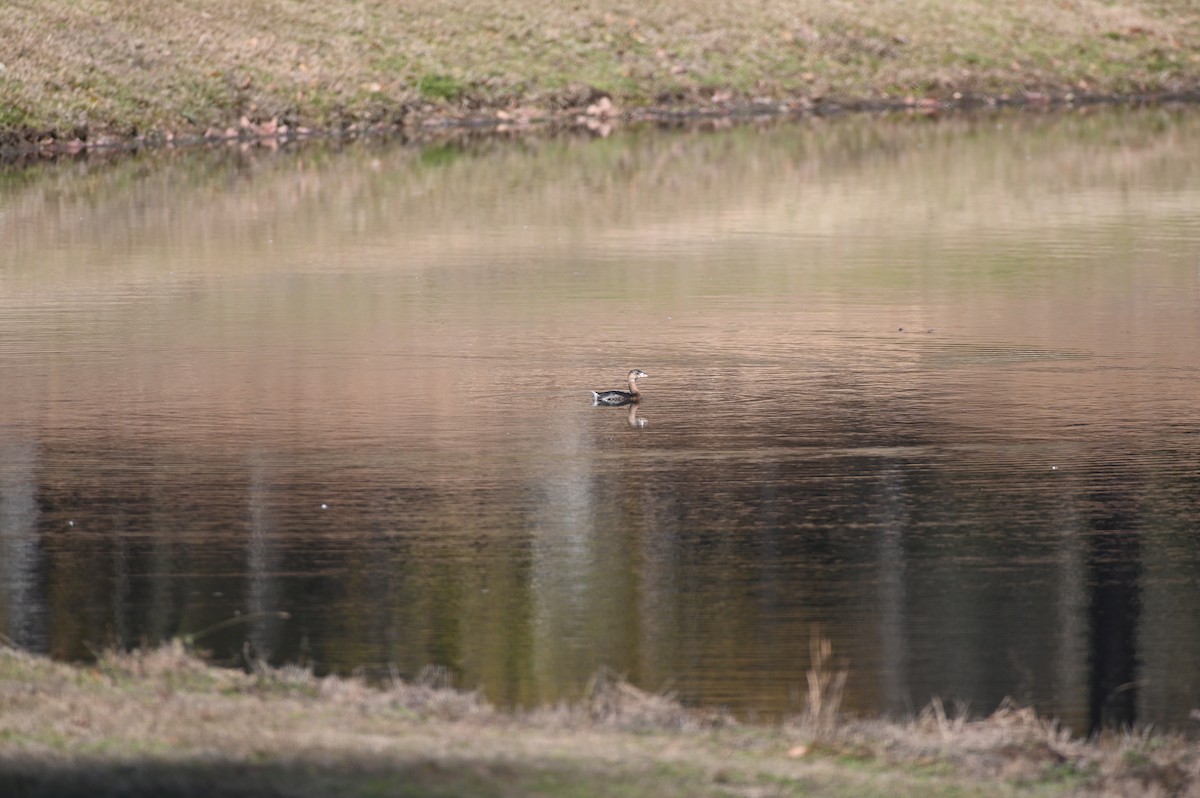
[611,700]
[826,683]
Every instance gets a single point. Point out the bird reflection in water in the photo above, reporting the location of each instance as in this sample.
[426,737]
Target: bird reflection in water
[632,418]
[634,421]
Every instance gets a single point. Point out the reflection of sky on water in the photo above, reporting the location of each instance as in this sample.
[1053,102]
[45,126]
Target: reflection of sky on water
[25,622]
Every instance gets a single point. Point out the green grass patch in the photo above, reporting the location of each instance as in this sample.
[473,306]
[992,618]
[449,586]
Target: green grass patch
[13,115]
[440,87]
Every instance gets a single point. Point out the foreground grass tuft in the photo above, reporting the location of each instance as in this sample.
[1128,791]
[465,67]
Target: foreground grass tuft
[162,722]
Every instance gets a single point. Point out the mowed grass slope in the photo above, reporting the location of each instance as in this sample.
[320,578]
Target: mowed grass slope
[123,67]
[163,723]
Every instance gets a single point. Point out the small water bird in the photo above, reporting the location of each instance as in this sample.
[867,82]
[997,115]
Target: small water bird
[619,398]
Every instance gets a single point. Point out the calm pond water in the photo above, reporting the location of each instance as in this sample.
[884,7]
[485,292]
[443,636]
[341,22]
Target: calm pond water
[926,387]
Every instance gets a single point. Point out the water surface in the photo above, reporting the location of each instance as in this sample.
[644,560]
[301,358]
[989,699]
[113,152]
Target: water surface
[928,387]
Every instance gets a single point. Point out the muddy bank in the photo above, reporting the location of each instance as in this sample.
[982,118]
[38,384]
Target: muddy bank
[601,118]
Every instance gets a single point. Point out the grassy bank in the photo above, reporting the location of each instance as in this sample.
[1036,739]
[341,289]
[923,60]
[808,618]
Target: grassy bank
[164,723]
[93,70]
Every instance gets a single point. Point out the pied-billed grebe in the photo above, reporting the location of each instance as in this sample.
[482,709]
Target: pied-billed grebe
[618,398]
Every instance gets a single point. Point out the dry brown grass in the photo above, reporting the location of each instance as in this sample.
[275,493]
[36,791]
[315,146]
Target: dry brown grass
[98,67]
[826,682]
[163,722]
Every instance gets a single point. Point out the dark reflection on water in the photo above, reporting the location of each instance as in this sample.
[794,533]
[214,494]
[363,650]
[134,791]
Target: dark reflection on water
[926,386]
